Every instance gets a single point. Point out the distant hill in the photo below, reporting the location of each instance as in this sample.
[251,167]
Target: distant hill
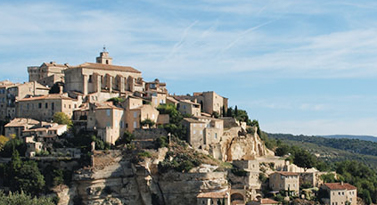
[333,149]
[359,137]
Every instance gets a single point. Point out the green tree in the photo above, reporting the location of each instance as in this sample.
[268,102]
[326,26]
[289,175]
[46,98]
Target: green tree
[23,199]
[62,118]
[148,122]
[116,100]
[304,159]
[29,178]
[125,139]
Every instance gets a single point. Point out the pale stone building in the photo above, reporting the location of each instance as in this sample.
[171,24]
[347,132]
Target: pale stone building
[187,107]
[340,193]
[209,101]
[21,91]
[136,116]
[265,201]
[47,74]
[107,120]
[286,181]
[16,126]
[203,131]
[45,132]
[4,85]
[252,168]
[44,107]
[214,198]
[102,76]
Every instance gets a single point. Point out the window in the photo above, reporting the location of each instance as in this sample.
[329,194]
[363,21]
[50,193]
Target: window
[194,132]
[215,135]
[152,116]
[135,114]
[108,124]
[108,112]
[39,105]
[46,105]
[201,132]
[135,124]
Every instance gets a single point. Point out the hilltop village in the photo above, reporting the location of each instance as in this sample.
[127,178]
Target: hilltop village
[119,139]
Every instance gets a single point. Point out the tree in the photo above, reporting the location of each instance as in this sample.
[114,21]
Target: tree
[116,100]
[304,159]
[235,111]
[29,178]
[148,122]
[23,199]
[3,141]
[62,118]
[125,139]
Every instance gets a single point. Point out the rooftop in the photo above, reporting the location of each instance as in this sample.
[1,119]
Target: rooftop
[47,97]
[101,66]
[340,186]
[268,201]
[18,122]
[214,195]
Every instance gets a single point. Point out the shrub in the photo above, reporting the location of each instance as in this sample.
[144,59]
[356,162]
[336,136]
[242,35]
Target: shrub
[239,172]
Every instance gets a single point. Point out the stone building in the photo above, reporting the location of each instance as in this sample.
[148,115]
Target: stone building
[136,116]
[21,91]
[213,198]
[209,101]
[203,131]
[44,107]
[285,181]
[187,107]
[339,193]
[107,120]
[47,74]
[16,126]
[4,85]
[102,76]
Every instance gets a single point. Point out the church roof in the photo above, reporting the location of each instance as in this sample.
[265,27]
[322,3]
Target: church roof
[100,66]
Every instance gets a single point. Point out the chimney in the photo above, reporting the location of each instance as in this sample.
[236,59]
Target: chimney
[341,183]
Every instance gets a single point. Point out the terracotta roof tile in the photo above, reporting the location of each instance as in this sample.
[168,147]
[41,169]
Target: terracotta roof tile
[45,97]
[214,195]
[340,186]
[101,66]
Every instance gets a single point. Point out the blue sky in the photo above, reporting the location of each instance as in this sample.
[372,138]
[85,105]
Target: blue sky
[298,66]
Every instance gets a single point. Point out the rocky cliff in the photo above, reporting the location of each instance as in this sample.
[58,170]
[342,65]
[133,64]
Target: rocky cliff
[113,179]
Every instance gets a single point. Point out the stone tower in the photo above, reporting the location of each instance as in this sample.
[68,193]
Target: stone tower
[104,57]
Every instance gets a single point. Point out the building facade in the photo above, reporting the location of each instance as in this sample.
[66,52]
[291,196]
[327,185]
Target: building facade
[285,181]
[340,194]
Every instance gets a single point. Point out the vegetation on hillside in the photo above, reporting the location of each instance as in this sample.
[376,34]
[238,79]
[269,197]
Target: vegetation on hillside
[21,198]
[354,172]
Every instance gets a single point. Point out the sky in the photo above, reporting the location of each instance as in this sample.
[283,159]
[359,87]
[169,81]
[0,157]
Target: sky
[297,66]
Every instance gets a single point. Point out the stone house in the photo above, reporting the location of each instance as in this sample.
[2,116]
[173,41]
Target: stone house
[265,201]
[285,181]
[16,127]
[44,107]
[339,193]
[214,198]
[102,76]
[195,132]
[20,91]
[4,85]
[203,131]
[252,168]
[107,120]
[135,116]
[47,74]
[45,132]
[209,101]
[187,107]
[32,146]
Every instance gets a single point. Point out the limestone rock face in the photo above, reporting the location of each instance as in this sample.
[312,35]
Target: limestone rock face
[236,144]
[116,180]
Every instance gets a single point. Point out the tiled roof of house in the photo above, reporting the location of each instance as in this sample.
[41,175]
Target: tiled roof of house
[214,195]
[288,173]
[101,66]
[268,201]
[47,97]
[106,105]
[340,186]
[18,122]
